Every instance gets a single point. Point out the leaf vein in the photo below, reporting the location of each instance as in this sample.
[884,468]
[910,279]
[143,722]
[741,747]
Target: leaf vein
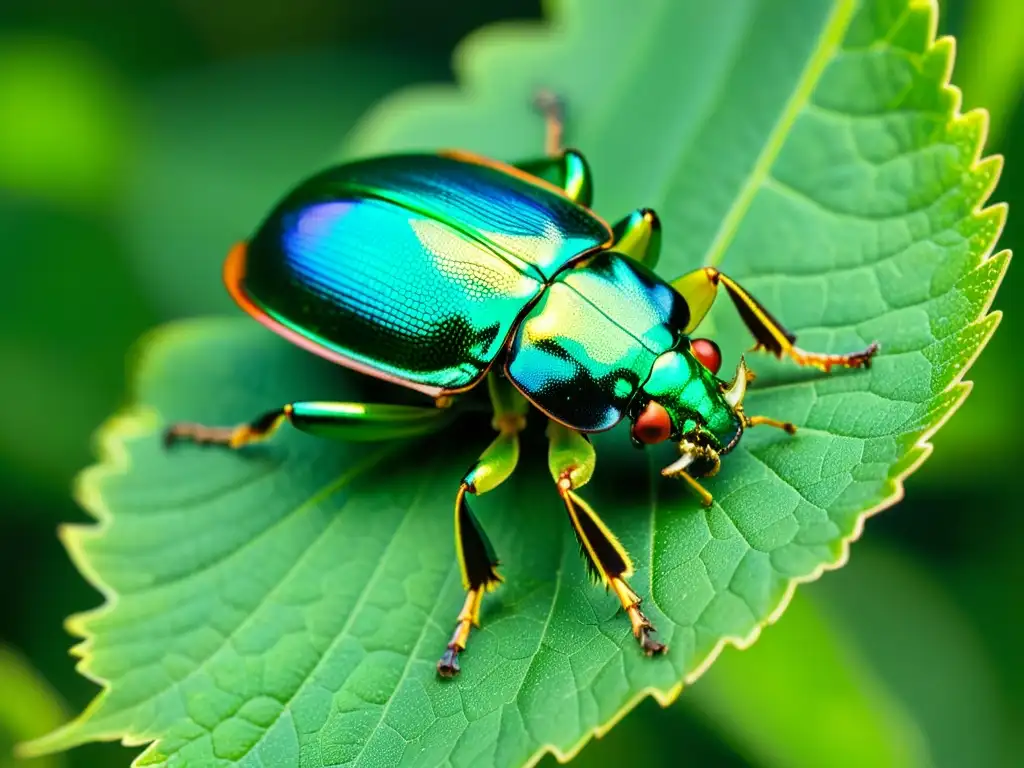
[828,42]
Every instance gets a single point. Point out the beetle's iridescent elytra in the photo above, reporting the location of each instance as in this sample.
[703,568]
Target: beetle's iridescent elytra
[442,271]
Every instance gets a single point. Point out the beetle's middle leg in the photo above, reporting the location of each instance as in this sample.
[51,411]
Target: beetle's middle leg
[571,459]
[477,560]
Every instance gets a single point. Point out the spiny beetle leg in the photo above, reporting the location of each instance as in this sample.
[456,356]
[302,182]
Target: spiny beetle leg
[608,563]
[477,560]
[340,421]
[639,237]
[571,460]
[700,287]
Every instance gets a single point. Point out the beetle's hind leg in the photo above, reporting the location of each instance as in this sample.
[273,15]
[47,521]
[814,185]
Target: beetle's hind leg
[552,107]
[477,560]
[571,460]
[342,421]
[566,168]
[700,288]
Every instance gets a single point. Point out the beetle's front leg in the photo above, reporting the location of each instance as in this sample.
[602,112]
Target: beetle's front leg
[700,287]
[571,459]
[342,421]
[477,560]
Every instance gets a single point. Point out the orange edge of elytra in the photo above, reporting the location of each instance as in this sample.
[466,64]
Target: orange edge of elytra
[234,277]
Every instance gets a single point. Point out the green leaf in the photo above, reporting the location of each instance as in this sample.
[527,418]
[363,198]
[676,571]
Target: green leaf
[806,696]
[288,604]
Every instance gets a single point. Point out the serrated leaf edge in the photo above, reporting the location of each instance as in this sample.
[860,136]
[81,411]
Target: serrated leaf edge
[922,446]
[839,21]
[138,421]
[111,446]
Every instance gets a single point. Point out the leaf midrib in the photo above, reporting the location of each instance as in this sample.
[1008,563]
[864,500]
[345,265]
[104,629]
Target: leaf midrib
[829,40]
[685,148]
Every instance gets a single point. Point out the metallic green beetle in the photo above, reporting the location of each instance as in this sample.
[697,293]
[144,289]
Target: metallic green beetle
[441,271]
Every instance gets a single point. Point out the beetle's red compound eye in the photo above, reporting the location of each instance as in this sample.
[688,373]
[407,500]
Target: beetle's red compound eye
[708,353]
[654,425]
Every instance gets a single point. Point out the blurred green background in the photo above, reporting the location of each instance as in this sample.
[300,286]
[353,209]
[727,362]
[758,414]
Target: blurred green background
[138,140]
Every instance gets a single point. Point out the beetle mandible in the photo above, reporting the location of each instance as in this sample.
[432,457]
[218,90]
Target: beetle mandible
[442,271]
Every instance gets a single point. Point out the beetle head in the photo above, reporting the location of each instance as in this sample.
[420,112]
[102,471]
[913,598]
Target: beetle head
[685,402]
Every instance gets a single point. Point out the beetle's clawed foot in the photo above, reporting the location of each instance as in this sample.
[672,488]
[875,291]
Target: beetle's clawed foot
[549,103]
[826,363]
[469,617]
[650,646]
[448,665]
[863,358]
[184,432]
[642,630]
